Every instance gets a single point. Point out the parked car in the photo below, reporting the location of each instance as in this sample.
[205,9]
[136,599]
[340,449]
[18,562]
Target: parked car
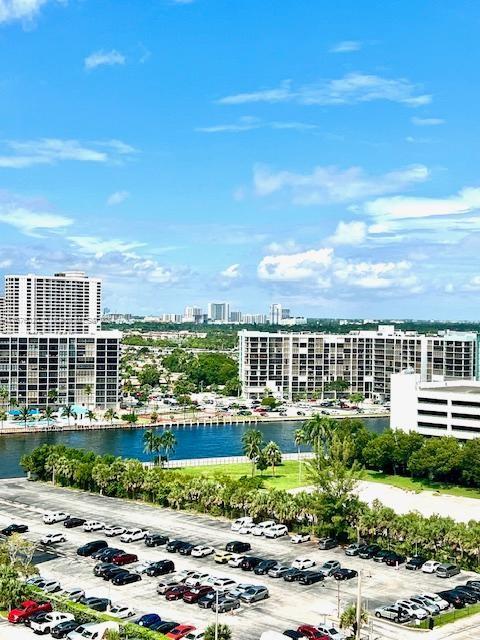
[186,549]
[238,546]
[279,571]
[51,586]
[121,559]
[180,631]
[195,593]
[277,531]
[53,538]
[344,574]
[73,593]
[110,573]
[141,567]
[415,563]
[97,604]
[43,623]
[261,528]
[432,608]
[327,568]
[381,555]
[436,599]
[160,568]
[447,570]
[240,522]
[293,634]
[331,632]
[327,543]
[14,528]
[106,554]
[293,575]
[264,567]
[196,578]
[101,567]
[148,620]
[430,566]
[71,522]
[93,525]
[126,578]
[250,562]
[93,630]
[155,540]
[394,613]
[471,595]
[311,632]
[164,626]
[91,547]
[27,609]
[225,604]
[394,559]
[176,593]
[369,551]
[164,585]
[174,545]
[114,530]
[219,583]
[222,557]
[303,563]
[63,629]
[414,610]
[310,577]
[455,598]
[254,594]
[235,560]
[52,517]
[299,538]
[122,611]
[133,535]
[355,548]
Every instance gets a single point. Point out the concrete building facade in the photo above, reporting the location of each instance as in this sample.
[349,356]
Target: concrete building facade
[299,364]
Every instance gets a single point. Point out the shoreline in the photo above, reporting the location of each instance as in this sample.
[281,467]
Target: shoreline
[166,424]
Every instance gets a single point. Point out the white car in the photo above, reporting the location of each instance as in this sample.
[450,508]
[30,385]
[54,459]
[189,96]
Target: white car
[303,563]
[93,525]
[74,594]
[436,599]
[331,632]
[222,583]
[298,538]
[51,586]
[142,567]
[260,528]
[184,574]
[432,608]
[413,609]
[236,560]
[430,566]
[114,530]
[167,583]
[241,522]
[196,579]
[246,528]
[45,623]
[132,535]
[202,550]
[35,581]
[53,538]
[51,517]
[195,635]
[276,531]
[121,611]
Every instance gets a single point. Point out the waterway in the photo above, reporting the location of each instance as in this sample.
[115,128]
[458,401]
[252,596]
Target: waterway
[192,442]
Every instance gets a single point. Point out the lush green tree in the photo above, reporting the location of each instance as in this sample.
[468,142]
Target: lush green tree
[52,396]
[232,387]
[152,444]
[3,417]
[356,398]
[91,416]
[133,476]
[437,459]
[337,386]
[223,632]
[68,412]
[348,619]
[149,375]
[24,415]
[168,442]
[269,402]
[252,443]
[319,431]
[12,589]
[272,454]
[4,395]
[470,462]
[48,414]
[110,415]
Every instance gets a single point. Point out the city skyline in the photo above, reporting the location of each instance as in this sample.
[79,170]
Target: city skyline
[319,156]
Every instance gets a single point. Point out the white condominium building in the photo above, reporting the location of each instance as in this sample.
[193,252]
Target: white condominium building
[294,365]
[219,312]
[68,302]
[438,408]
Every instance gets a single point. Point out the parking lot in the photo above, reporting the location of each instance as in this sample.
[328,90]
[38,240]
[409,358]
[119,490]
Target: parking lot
[289,605]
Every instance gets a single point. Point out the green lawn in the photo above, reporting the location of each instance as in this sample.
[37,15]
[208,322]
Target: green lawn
[287,477]
[452,616]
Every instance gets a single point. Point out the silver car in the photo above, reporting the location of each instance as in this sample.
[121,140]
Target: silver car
[327,568]
[279,571]
[254,594]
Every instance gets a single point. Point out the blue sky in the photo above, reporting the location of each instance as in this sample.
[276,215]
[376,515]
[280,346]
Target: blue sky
[319,154]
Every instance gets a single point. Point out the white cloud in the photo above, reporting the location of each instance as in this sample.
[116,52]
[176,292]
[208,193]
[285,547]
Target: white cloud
[349,233]
[376,275]
[29,218]
[104,58]
[312,265]
[99,247]
[289,246]
[333,185]
[232,272]
[117,197]
[350,89]
[473,284]
[50,151]
[427,122]
[404,207]
[247,123]
[25,10]
[346,46]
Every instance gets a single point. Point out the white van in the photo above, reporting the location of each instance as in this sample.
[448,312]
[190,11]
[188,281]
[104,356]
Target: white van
[241,522]
[93,631]
[262,527]
[51,517]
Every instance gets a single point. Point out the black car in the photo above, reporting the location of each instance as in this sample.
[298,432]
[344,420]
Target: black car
[471,594]
[264,567]
[155,540]
[394,559]
[174,545]
[453,597]
[110,573]
[206,601]
[64,628]
[309,577]
[293,575]
[101,567]
[415,563]
[369,551]
[70,523]
[125,577]
[164,627]
[160,568]
[293,634]
[344,574]
[381,555]
[250,562]
[14,528]
[327,543]
[105,555]
[186,549]
[98,604]
[91,547]
[474,584]
[238,546]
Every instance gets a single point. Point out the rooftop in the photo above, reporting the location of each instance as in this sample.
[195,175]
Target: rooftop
[460,388]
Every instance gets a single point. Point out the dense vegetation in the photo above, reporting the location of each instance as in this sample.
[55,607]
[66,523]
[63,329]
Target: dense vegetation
[203,370]
[333,509]
[214,341]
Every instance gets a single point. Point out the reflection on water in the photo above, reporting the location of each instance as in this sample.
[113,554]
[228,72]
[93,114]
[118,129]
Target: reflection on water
[193,442]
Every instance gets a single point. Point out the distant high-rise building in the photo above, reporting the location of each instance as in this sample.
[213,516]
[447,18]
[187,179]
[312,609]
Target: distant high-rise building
[218,311]
[254,318]
[236,316]
[193,314]
[278,313]
[68,302]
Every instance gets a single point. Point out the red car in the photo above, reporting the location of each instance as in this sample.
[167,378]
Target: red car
[176,592]
[180,631]
[311,632]
[124,558]
[193,595]
[28,609]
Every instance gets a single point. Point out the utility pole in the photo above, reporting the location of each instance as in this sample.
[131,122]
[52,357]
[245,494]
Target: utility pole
[338,599]
[216,614]
[359,605]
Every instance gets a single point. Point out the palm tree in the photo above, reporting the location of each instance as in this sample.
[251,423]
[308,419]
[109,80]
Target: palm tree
[252,446]
[319,431]
[48,413]
[91,416]
[299,439]
[168,442]
[110,415]
[348,619]
[3,416]
[68,412]
[4,395]
[52,396]
[152,444]
[24,415]
[273,455]
[218,632]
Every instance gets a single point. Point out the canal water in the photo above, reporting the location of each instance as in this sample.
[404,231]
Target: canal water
[192,442]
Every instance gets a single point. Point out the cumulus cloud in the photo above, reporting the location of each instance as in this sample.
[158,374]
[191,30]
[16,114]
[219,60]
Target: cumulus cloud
[288,246]
[331,184]
[310,265]
[232,272]
[49,151]
[29,217]
[346,46]
[117,197]
[104,58]
[350,89]
[349,233]
[23,10]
